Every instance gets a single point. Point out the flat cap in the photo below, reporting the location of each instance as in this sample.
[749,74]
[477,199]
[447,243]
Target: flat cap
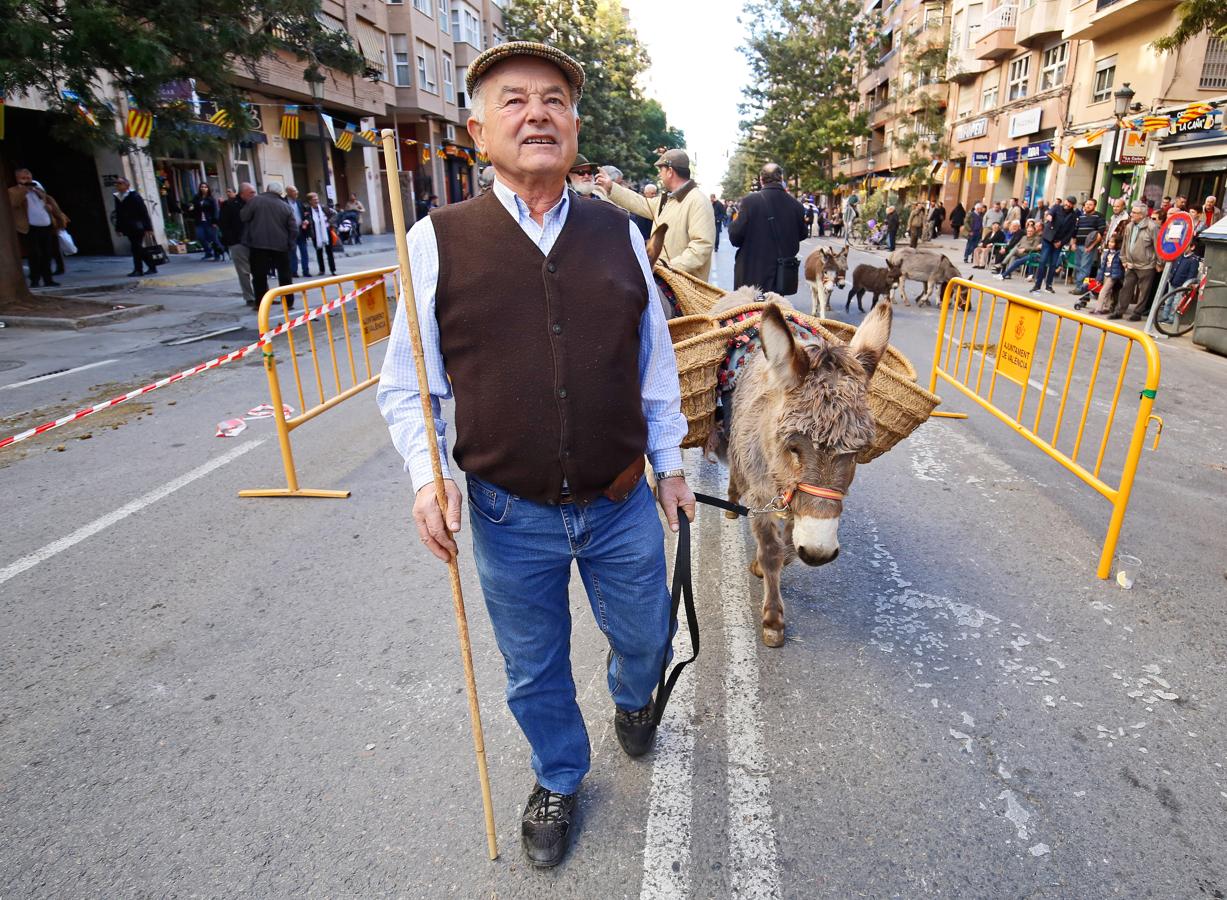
[500,52]
[675,158]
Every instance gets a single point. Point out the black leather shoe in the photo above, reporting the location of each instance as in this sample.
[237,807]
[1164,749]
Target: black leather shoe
[545,827]
[635,730]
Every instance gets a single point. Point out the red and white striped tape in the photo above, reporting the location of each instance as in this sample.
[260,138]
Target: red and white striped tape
[307,316]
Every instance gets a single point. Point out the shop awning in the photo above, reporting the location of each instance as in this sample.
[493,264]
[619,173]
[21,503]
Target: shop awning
[209,130]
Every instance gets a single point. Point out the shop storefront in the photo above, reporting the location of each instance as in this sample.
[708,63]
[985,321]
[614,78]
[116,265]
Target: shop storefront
[1194,156]
[1037,165]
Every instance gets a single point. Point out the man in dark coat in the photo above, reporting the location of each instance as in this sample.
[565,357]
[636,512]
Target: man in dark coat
[769,227]
[133,222]
[721,214]
[269,233]
[957,216]
[892,227]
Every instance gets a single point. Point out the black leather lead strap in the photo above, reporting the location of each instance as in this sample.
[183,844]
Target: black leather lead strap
[683,590]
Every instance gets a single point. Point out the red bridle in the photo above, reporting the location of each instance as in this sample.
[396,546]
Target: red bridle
[814,491]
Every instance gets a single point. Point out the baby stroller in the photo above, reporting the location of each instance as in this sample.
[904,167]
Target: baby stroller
[347,226]
[1092,288]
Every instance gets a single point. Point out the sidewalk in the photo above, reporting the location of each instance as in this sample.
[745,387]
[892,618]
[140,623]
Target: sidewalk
[94,275]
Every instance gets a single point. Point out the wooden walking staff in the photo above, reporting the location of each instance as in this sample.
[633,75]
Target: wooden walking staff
[419,361]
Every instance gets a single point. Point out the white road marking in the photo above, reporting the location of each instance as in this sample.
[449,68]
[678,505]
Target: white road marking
[752,842]
[86,531]
[93,365]
[200,337]
[666,847]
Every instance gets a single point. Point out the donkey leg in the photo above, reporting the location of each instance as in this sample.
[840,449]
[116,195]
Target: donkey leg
[770,560]
[734,492]
[815,302]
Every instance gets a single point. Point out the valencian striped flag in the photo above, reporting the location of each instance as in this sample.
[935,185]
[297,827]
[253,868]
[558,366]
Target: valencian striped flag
[1193,112]
[345,138]
[82,110]
[140,123]
[290,123]
[221,118]
[1156,123]
[426,153]
[370,134]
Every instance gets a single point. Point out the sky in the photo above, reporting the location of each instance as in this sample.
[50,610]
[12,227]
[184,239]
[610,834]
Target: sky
[697,74]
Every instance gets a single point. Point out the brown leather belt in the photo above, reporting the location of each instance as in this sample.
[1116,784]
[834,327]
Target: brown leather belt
[619,489]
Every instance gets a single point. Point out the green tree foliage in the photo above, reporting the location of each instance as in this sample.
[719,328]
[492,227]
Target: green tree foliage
[100,48]
[1195,17]
[921,131]
[742,169]
[620,127]
[802,56]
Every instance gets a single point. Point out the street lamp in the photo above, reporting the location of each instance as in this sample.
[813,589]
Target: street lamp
[1120,106]
[316,82]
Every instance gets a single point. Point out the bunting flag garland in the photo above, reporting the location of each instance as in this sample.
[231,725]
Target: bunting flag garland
[410,142]
[1062,160]
[140,123]
[82,109]
[426,153]
[370,135]
[330,126]
[1156,123]
[221,118]
[345,140]
[1195,111]
[291,124]
[1095,135]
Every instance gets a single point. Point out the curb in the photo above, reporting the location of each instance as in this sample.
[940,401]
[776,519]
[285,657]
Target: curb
[106,318]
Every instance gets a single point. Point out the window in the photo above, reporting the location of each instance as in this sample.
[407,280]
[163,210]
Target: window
[1052,67]
[445,16]
[933,17]
[975,15]
[988,100]
[422,6]
[400,60]
[462,98]
[396,2]
[449,79]
[1105,75]
[1019,74]
[470,27]
[1214,68]
[427,68]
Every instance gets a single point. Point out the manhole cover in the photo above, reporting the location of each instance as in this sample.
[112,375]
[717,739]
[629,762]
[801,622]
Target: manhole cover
[7,365]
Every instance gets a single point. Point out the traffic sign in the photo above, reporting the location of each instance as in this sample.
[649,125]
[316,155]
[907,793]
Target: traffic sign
[1175,235]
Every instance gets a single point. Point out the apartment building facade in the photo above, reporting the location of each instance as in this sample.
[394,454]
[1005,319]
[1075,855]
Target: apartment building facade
[903,95]
[416,51]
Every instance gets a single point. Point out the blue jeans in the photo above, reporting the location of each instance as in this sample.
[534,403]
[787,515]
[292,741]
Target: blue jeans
[524,551]
[1050,258]
[973,241]
[1018,262]
[206,234]
[299,257]
[1084,264]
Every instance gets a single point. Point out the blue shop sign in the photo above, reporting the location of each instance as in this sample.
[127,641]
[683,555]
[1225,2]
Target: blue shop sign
[979,160]
[1005,157]
[1037,152]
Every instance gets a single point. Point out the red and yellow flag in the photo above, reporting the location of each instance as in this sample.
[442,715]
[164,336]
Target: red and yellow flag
[140,123]
[291,124]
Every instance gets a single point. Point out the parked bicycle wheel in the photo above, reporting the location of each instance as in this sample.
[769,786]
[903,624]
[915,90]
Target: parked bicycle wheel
[1179,322]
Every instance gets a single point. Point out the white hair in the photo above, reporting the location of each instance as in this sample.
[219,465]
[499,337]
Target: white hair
[274,187]
[1140,207]
[614,173]
[477,100]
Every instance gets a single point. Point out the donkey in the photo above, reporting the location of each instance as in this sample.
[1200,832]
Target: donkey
[800,415]
[825,270]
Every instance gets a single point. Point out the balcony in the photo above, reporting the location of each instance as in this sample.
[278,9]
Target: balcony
[962,66]
[880,113]
[1038,23]
[996,38]
[925,95]
[1091,21]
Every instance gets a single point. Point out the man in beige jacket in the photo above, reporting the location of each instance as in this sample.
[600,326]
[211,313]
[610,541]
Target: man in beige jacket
[687,212]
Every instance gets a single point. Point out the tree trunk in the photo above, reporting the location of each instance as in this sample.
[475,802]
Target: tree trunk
[13,285]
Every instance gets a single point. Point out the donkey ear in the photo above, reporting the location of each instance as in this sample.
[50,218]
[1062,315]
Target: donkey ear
[656,243]
[872,338]
[785,360]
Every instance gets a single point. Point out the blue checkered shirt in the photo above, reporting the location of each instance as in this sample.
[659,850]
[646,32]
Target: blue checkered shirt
[398,396]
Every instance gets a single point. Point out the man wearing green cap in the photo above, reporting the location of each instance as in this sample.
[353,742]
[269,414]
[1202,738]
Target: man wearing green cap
[552,341]
[688,213]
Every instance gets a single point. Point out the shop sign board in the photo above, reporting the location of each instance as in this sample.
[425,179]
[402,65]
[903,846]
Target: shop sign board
[1175,235]
[1037,152]
[1006,157]
[1018,338]
[979,160]
[973,129]
[1025,122]
[1132,149]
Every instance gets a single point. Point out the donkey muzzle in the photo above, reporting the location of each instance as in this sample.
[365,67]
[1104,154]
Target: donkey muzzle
[816,540]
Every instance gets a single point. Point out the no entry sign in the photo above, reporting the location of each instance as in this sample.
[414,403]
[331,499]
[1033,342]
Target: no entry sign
[1175,235]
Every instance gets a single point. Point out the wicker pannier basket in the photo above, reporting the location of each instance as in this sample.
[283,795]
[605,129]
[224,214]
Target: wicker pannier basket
[695,297]
[899,404]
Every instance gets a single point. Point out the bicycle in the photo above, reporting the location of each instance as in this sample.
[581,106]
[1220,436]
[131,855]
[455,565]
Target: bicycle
[869,235]
[1177,309]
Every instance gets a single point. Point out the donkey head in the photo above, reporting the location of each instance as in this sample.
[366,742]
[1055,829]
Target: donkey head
[822,420]
[835,265]
[656,243]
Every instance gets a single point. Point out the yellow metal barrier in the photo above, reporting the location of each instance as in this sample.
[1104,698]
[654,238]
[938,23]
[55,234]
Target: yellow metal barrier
[369,324]
[962,360]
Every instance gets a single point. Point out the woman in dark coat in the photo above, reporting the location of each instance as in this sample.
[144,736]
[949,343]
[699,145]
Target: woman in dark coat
[957,216]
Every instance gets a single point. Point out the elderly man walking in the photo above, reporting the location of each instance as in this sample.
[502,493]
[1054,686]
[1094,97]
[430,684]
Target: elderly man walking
[37,218]
[269,233]
[553,454]
[692,224]
[1141,261]
[230,225]
[768,234]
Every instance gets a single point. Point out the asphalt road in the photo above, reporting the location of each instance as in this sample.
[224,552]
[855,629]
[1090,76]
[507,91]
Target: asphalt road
[208,696]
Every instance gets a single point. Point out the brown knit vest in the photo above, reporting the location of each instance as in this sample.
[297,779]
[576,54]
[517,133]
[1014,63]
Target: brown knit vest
[542,350]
